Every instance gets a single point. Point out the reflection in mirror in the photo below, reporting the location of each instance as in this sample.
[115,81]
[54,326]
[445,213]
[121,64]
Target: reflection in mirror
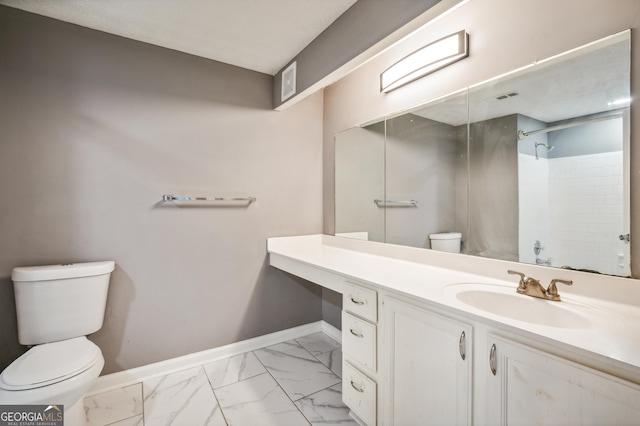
[547,152]
[405,178]
[530,167]
[359,180]
[426,162]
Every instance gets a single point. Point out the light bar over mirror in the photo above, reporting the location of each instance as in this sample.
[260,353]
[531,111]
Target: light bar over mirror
[426,60]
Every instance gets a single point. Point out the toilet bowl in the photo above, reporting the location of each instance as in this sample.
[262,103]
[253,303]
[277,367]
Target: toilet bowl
[59,373]
[57,306]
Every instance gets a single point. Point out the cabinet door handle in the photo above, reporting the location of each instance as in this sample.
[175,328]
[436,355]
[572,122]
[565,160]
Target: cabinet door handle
[355,333]
[462,346]
[353,385]
[493,362]
[356,301]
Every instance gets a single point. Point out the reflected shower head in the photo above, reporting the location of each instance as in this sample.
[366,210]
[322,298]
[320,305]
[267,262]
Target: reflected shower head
[549,148]
[537,144]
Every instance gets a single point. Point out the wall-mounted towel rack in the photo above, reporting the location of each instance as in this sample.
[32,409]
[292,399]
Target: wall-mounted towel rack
[223,199]
[396,203]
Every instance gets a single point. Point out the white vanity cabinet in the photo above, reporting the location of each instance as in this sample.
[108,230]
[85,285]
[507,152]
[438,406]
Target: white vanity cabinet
[415,355]
[359,351]
[426,365]
[531,387]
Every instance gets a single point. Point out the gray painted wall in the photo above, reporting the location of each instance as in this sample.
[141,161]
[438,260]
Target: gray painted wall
[360,27]
[360,179]
[94,129]
[403,158]
[591,138]
[421,160]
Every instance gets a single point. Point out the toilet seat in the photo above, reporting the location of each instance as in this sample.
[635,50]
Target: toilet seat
[50,363]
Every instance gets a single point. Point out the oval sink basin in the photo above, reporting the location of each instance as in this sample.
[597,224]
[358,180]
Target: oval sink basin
[505,302]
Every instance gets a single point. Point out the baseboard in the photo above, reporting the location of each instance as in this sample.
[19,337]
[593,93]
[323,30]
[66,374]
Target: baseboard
[136,375]
[331,331]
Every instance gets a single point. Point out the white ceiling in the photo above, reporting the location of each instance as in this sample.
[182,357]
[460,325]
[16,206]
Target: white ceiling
[260,35]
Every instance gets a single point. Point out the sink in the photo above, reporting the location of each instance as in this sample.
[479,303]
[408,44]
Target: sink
[505,302]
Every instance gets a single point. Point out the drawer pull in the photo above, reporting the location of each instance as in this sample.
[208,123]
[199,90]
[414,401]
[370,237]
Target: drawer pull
[356,301]
[493,362]
[355,333]
[353,385]
[462,346]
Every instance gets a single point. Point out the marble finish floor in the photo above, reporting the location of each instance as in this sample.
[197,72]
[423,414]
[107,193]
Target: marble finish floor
[297,383]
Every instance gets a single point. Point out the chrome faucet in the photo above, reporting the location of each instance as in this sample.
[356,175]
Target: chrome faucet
[532,287]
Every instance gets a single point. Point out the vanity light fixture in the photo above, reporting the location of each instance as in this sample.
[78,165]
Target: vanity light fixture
[426,60]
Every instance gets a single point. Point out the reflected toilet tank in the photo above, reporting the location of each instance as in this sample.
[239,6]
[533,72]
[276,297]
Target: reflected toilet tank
[446,241]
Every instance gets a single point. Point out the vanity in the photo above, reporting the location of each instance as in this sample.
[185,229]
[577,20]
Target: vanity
[440,338]
[531,172]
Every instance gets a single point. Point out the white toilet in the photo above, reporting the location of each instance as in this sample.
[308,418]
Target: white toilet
[446,241]
[57,306]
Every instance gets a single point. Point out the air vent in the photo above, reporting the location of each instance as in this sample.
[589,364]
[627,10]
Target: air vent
[502,97]
[288,82]
[506,96]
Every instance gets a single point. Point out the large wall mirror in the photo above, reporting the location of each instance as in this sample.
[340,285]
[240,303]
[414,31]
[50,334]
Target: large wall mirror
[532,166]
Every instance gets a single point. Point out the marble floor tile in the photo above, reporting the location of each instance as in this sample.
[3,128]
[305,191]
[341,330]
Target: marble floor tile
[258,401]
[333,360]
[110,407]
[231,370]
[182,398]
[318,343]
[297,371]
[326,408]
[131,421]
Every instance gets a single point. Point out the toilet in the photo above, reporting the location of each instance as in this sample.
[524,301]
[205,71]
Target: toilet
[57,306]
[446,241]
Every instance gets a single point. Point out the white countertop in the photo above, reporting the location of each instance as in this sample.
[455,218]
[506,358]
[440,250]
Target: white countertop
[611,338]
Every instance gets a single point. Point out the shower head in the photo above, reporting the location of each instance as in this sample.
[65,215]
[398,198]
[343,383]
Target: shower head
[537,144]
[549,148]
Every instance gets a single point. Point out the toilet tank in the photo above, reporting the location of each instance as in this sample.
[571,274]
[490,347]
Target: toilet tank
[446,241]
[58,302]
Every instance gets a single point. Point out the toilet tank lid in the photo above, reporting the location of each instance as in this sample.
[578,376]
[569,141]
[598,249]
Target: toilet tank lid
[445,236]
[64,271]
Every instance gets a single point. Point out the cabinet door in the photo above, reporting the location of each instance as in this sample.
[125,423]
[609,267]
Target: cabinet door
[531,387]
[427,367]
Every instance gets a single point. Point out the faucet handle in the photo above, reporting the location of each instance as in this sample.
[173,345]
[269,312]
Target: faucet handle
[552,291]
[521,284]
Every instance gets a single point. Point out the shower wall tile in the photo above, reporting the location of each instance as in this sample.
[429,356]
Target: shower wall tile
[586,211]
[574,207]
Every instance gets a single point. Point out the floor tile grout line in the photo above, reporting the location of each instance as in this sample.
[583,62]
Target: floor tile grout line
[281,388]
[339,346]
[213,391]
[144,418]
[316,358]
[121,420]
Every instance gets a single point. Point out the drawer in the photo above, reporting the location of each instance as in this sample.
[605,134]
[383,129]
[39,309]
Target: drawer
[359,340]
[359,393]
[360,301]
